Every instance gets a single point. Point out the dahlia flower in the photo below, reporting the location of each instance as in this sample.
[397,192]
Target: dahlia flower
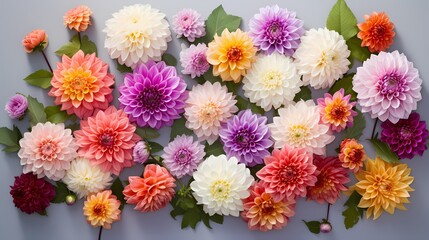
[220,184]
[263,213]
[35,40]
[107,140]
[152,192]
[83,178]
[337,110]
[16,106]
[102,209]
[207,107]
[352,154]
[376,32]
[82,85]
[407,138]
[331,180]
[137,34]
[321,58]
[182,155]
[194,60]
[275,29]
[153,95]
[141,152]
[298,126]
[288,172]
[78,18]
[246,137]
[388,86]
[272,81]
[189,24]
[31,194]
[47,150]
[231,54]
[383,186]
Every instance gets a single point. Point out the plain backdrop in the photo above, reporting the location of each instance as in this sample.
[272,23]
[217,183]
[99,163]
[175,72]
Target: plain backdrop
[67,223]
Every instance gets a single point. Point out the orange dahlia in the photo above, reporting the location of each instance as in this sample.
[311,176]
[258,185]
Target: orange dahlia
[352,154]
[81,84]
[107,139]
[376,32]
[152,192]
[262,212]
[78,18]
[102,209]
[231,54]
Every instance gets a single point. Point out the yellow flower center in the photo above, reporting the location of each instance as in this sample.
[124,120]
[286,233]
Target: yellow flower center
[272,79]
[298,134]
[99,210]
[220,190]
[209,112]
[78,82]
[234,54]
[135,37]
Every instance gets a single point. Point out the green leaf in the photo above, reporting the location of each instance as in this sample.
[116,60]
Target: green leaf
[215,149]
[179,128]
[383,151]
[36,111]
[206,220]
[208,76]
[43,213]
[117,189]
[70,48]
[313,226]
[147,133]
[342,20]
[191,218]
[243,104]
[352,212]
[155,147]
[123,68]
[10,139]
[40,78]
[176,212]
[217,218]
[304,94]
[87,46]
[357,51]
[61,192]
[218,20]
[231,86]
[73,127]
[55,115]
[345,83]
[255,169]
[359,124]
[353,200]
[169,59]
[187,203]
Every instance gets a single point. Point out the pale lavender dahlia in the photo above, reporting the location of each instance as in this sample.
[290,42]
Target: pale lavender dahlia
[153,95]
[16,106]
[407,137]
[182,155]
[246,137]
[194,60]
[188,23]
[141,152]
[275,29]
[388,86]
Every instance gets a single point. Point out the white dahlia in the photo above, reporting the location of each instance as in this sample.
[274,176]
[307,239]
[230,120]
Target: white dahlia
[272,81]
[207,107]
[136,34]
[220,185]
[84,178]
[299,126]
[321,58]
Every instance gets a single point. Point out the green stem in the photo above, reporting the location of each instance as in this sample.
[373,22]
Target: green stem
[46,60]
[327,212]
[80,41]
[373,129]
[99,233]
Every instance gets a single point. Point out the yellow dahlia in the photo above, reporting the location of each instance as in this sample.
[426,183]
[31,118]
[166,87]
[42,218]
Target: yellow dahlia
[383,186]
[102,209]
[231,54]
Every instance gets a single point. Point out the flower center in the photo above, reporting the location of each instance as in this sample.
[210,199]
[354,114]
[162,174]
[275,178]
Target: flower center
[267,206]
[338,113]
[183,156]
[406,132]
[298,134]
[244,140]
[78,82]
[48,150]
[234,54]
[272,80]
[220,190]
[288,174]
[383,186]
[209,113]
[107,139]
[199,61]
[275,30]
[355,155]
[99,210]
[378,31]
[135,37]
[391,85]
[151,99]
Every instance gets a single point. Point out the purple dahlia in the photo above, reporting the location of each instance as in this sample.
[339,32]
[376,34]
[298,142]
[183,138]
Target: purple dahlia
[246,137]
[275,29]
[16,106]
[407,137]
[153,95]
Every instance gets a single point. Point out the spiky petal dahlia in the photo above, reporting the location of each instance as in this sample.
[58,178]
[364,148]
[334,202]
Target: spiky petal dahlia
[383,186]
[288,172]
[153,95]
[102,209]
[336,111]
[47,150]
[207,107]
[263,213]
[376,32]
[231,55]
[272,81]
[407,137]
[331,180]
[107,139]
[388,86]
[82,85]
[137,34]
[220,185]
[299,126]
[352,154]
[152,192]
[321,58]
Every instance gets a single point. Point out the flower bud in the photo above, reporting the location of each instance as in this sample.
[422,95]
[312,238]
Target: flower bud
[16,106]
[141,152]
[35,40]
[325,227]
[70,199]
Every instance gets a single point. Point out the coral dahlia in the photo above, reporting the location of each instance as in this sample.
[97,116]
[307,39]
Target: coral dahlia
[352,154]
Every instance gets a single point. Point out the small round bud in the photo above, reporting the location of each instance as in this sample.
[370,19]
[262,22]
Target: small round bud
[141,152]
[325,227]
[70,199]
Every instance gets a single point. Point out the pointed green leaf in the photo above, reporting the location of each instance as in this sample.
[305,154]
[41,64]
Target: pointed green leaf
[123,68]
[313,226]
[117,189]
[208,76]
[36,111]
[244,103]
[40,78]
[176,212]
[10,139]
[70,48]
[206,220]
[218,20]
[87,46]
[357,51]
[342,20]
[303,94]
[61,192]
[351,217]
[55,115]
[383,151]
[345,83]
[358,127]
[155,147]
[179,128]
[169,59]
[217,218]
[147,133]
[215,149]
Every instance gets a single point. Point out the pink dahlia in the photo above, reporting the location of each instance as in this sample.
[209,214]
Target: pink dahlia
[189,24]
[288,172]
[331,180]
[82,85]
[47,150]
[388,86]
[107,139]
[194,60]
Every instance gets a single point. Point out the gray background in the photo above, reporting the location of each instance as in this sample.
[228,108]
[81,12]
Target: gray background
[66,223]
